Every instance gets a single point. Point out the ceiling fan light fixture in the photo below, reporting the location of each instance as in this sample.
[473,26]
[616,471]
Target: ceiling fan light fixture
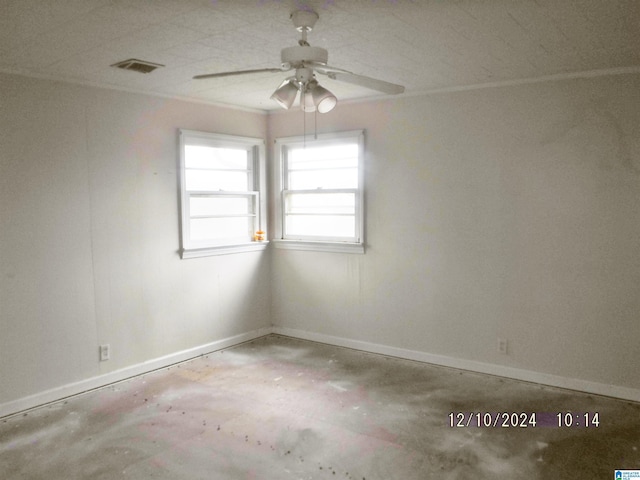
[323,99]
[286,93]
[306,102]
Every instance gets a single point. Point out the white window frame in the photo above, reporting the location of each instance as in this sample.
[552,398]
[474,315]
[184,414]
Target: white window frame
[255,147]
[324,244]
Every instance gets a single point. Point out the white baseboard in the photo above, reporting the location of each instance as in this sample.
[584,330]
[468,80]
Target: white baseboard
[55,394]
[623,393]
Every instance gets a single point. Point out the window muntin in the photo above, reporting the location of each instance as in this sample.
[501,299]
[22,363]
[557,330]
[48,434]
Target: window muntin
[220,192]
[321,189]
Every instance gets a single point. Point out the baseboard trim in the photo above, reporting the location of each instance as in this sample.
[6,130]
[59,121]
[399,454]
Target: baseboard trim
[619,392]
[20,405]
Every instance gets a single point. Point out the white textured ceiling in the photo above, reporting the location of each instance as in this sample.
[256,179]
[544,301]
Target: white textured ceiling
[423,45]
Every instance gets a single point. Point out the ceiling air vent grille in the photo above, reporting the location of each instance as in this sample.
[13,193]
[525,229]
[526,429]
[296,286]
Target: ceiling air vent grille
[136,65]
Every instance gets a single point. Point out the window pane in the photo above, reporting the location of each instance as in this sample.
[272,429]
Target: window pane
[320,225]
[298,156]
[329,166]
[197,156]
[222,228]
[220,205]
[321,203]
[312,179]
[324,163]
[216,180]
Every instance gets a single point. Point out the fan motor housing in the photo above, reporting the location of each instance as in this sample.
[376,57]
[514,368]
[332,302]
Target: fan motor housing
[300,55]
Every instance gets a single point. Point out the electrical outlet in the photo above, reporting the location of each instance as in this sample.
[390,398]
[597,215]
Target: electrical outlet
[105,352]
[502,346]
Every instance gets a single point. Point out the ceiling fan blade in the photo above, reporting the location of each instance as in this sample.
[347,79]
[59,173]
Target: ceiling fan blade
[368,82]
[239,72]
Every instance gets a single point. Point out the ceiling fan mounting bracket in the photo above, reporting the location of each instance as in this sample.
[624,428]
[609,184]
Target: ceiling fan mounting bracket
[304,20]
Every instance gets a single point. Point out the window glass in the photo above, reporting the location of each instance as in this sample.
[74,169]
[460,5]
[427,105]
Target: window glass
[326,178]
[332,166]
[218,228]
[317,203]
[220,205]
[216,180]
[321,226]
[198,156]
[334,154]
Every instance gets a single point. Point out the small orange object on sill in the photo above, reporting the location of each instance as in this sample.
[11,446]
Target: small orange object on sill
[260,236]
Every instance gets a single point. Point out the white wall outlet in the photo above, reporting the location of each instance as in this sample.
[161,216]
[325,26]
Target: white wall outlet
[105,352]
[503,345]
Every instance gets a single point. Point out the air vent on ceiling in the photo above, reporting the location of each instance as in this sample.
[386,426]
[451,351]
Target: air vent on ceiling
[136,65]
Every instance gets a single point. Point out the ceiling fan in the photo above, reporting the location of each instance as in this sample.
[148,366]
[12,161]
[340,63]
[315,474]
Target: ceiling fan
[307,61]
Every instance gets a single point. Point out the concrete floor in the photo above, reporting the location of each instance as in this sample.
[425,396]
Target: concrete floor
[279,408]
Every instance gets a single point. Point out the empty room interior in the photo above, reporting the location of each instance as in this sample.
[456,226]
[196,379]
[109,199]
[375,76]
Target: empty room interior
[371,239]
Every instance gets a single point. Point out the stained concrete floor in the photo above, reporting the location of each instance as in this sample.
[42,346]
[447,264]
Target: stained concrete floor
[280,408]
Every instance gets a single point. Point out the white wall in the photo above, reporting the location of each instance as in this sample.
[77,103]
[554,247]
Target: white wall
[511,212]
[506,212]
[89,236]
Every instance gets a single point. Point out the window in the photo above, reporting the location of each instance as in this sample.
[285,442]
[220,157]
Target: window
[221,185]
[321,193]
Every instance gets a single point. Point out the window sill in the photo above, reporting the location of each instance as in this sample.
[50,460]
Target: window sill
[223,250]
[317,246]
